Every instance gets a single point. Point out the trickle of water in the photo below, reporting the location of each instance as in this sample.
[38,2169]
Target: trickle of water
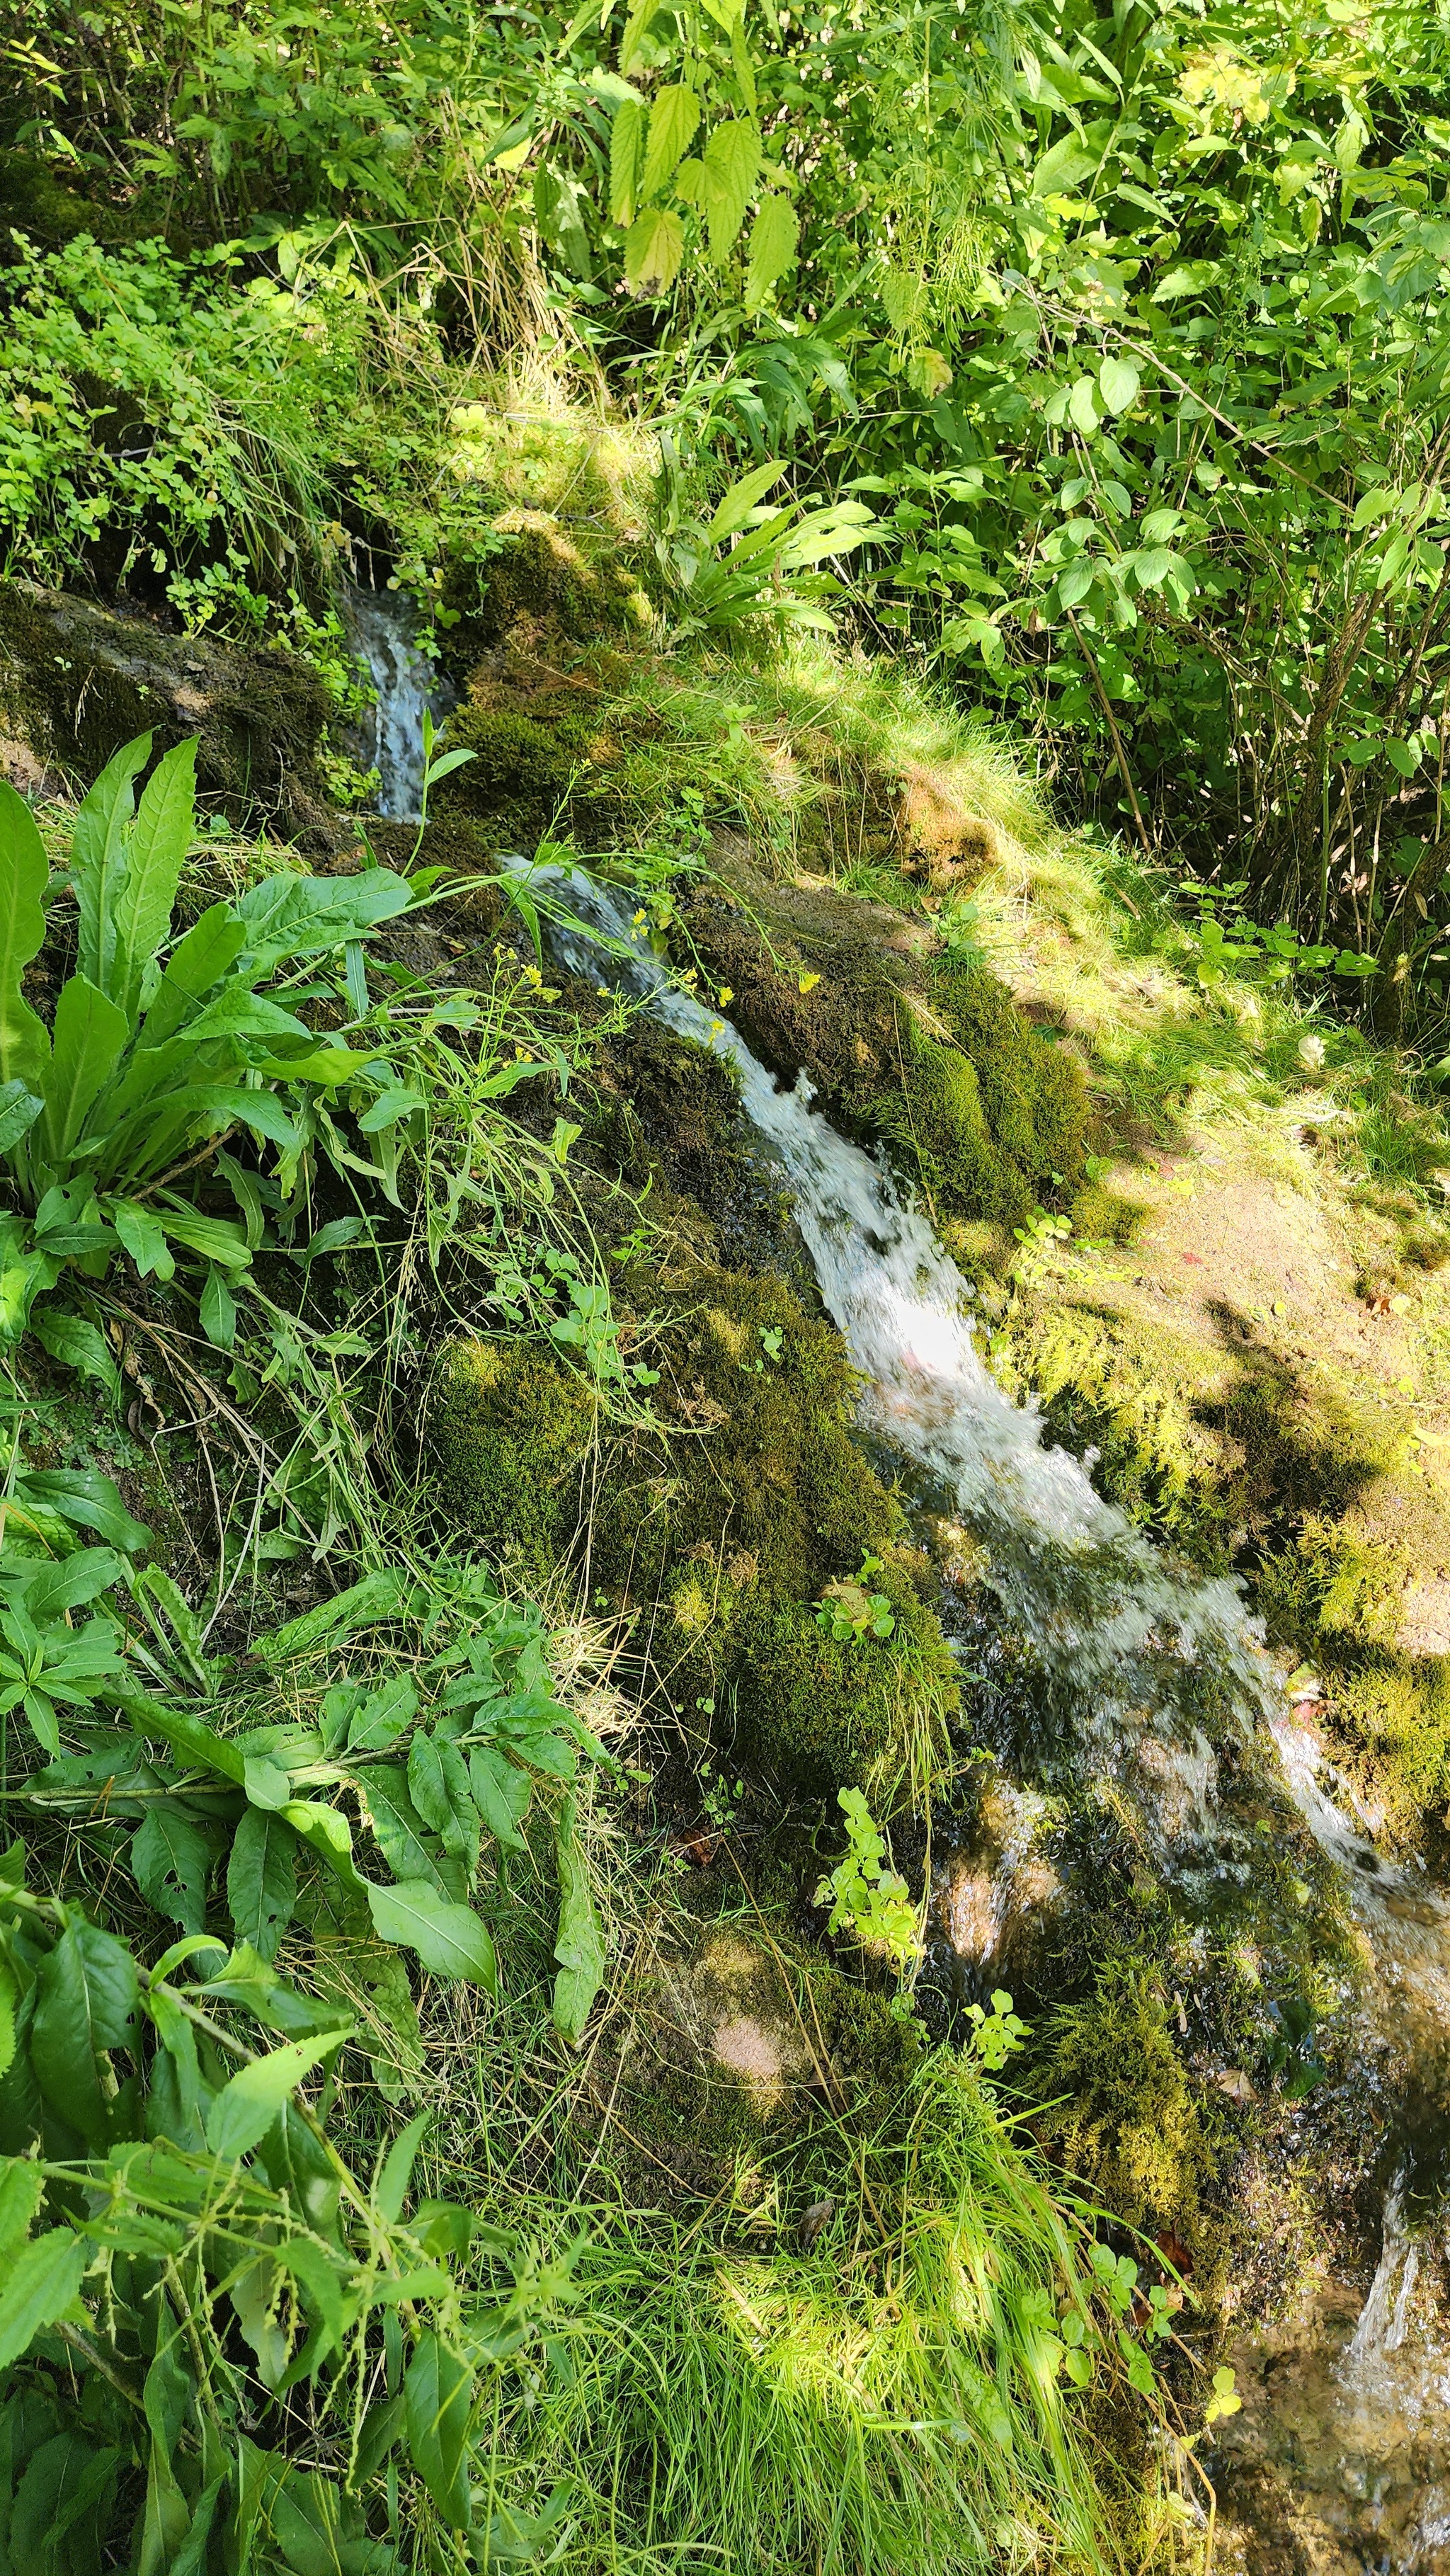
[382,628]
[1130,1648]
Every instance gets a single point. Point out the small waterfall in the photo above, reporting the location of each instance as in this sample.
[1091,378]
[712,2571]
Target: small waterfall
[1132,1652]
[382,627]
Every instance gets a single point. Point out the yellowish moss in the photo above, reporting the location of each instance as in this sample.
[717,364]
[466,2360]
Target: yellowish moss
[509,1430]
[1129,2127]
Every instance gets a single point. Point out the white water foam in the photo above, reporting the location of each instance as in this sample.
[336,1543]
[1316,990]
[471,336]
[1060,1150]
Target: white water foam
[382,627]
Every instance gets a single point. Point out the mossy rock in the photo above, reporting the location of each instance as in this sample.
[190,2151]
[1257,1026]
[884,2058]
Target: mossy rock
[724,1525]
[78,680]
[988,1114]
[545,584]
[34,201]
[1121,2111]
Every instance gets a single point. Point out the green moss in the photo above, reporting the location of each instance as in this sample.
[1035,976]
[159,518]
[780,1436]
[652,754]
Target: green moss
[1129,2126]
[509,1430]
[723,1525]
[987,1113]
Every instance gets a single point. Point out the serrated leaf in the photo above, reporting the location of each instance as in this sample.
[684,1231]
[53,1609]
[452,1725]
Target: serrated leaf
[653,249]
[672,122]
[257,2095]
[87,2000]
[448,1939]
[39,2286]
[773,238]
[171,1863]
[262,1880]
[730,164]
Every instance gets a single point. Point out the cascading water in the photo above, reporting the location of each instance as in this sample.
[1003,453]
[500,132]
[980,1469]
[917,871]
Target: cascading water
[382,628]
[1131,1653]
[1133,1657]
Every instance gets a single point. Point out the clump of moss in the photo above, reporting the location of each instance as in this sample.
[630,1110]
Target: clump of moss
[541,583]
[1129,2125]
[509,1430]
[723,1524]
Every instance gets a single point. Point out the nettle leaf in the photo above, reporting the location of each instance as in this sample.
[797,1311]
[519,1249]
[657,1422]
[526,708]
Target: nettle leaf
[673,119]
[730,164]
[449,1939]
[653,249]
[437,2405]
[42,2283]
[773,238]
[262,1880]
[247,2106]
[171,1863]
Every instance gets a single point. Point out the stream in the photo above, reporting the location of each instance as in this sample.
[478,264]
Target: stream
[1340,2459]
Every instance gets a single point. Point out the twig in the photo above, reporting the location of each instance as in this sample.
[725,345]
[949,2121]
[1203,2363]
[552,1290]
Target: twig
[1122,756]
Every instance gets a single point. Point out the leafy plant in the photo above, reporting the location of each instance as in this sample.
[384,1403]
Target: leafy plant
[188,2259]
[848,1613]
[750,558]
[867,1899]
[148,1065]
[998,2034]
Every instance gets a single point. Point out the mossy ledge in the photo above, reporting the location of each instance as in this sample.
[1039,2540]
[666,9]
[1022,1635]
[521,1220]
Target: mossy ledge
[719,1522]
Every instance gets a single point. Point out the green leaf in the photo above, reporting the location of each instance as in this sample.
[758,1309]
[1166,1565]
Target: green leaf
[22,2189]
[437,2405]
[19,1110]
[626,145]
[579,1945]
[391,2187]
[24,874]
[449,1939]
[141,1236]
[398,1829]
[87,1039]
[1082,406]
[502,1791]
[88,1993]
[40,2286]
[731,165]
[378,1596]
[155,848]
[257,2095]
[653,249]
[98,858]
[87,1498]
[215,1238]
[673,119]
[734,509]
[78,1345]
[773,238]
[262,1880]
[1118,382]
[218,1310]
[171,1863]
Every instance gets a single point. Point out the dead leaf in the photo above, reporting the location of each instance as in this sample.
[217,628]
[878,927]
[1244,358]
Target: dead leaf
[813,2220]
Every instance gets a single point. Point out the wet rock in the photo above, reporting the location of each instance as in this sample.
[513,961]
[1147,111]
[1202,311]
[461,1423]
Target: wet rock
[77,680]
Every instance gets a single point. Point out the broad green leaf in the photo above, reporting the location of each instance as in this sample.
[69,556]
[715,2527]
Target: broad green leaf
[326,1831]
[54,1589]
[171,1863]
[142,1237]
[247,2105]
[653,249]
[730,163]
[19,1110]
[262,1880]
[1061,169]
[38,2288]
[214,1237]
[438,2404]
[218,1310]
[8,2000]
[1082,406]
[502,1791]
[734,509]
[90,1500]
[449,1939]
[87,1039]
[626,145]
[398,1830]
[70,1339]
[579,1944]
[381,1716]
[376,1597]
[98,858]
[87,2000]
[155,848]
[24,873]
[209,950]
[1118,382]
[773,238]
[22,2189]
[672,122]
